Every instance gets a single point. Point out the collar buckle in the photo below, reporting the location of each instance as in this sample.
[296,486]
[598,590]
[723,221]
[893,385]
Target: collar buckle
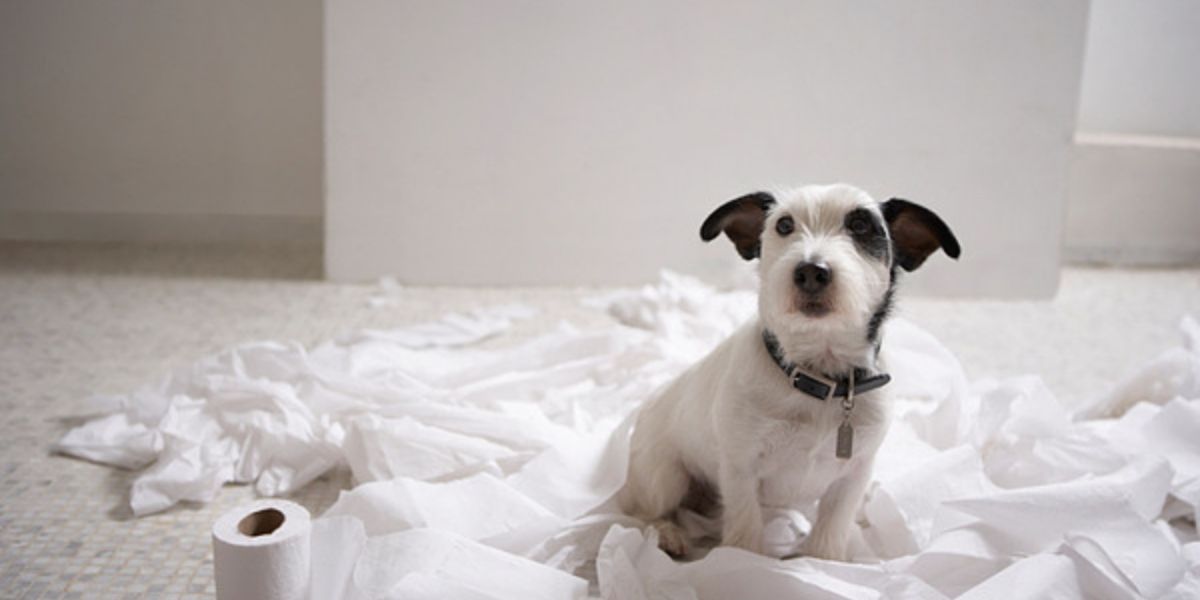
[820,387]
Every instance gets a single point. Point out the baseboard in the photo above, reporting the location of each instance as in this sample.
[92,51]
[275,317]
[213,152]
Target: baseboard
[1132,257]
[151,227]
[1134,200]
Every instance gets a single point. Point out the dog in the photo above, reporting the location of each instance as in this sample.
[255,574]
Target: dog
[791,408]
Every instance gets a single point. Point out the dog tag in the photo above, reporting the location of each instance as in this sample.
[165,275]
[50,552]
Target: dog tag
[845,440]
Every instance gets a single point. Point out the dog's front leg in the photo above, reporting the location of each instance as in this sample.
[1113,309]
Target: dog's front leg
[741,512]
[830,535]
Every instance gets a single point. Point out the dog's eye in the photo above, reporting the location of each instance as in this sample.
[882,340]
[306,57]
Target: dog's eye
[859,225]
[785,226]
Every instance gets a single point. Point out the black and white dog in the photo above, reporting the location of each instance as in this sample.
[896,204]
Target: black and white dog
[791,408]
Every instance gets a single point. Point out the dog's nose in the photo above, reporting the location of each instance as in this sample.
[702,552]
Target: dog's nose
[811,278]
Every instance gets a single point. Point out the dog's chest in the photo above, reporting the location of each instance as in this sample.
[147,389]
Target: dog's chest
[797,461]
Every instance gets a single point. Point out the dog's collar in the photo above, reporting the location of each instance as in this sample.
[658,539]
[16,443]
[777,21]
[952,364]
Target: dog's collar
[820,386]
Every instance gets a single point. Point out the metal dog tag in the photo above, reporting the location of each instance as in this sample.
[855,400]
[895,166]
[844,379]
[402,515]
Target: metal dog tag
[845,440]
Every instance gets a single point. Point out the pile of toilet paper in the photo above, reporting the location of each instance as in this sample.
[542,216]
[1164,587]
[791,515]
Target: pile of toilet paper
[487,472]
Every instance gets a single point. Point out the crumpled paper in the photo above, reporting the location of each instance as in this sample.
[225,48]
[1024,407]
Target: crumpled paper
[489,474]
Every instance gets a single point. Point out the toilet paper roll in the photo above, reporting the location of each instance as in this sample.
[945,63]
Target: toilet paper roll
[261,552]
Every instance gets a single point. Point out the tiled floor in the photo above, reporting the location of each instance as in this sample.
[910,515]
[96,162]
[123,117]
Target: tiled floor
[77,320]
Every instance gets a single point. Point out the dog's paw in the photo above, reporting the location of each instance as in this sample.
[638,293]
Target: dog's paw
[828,547]
[671,537]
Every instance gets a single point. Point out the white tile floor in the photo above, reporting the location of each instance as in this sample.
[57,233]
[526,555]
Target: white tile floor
[82,319]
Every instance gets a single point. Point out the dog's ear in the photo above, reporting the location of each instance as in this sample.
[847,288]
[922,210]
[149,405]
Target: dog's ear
[742,221]
[917,232]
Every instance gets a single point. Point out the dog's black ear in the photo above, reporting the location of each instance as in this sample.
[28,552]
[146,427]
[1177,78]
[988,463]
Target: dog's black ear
[917,232]
[742,221]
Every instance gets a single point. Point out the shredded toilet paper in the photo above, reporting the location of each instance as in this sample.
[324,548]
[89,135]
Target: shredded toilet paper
[489,473]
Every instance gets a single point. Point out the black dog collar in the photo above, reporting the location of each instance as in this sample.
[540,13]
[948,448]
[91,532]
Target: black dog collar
[819,386]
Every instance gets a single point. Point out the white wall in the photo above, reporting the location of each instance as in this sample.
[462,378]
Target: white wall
[126,119]
[1142,68]
[1135,178]
[548,142]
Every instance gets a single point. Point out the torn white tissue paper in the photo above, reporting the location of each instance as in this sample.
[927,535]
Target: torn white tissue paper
[1108,519]
[480,507]
[904,506]
[114,440]
[1174,373]
[489,473]
[428,563]
[632,567]
[336,543]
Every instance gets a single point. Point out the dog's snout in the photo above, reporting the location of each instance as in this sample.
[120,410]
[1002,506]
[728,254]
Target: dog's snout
[811,278]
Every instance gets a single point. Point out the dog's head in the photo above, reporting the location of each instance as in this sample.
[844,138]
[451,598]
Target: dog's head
[828,256]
